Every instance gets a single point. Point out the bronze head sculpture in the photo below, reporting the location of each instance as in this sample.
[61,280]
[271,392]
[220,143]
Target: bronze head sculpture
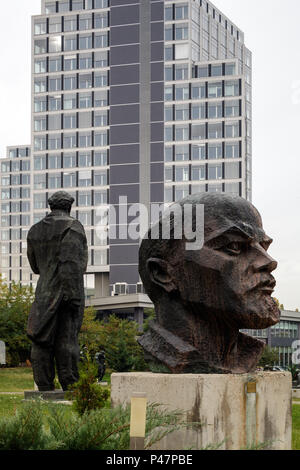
[203,298]
[57,252]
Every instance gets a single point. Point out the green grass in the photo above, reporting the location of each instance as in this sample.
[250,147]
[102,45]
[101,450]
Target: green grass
[16,380]
[296,428]
[9,404]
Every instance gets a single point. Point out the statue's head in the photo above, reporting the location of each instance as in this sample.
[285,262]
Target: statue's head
[229,279]
[61,201]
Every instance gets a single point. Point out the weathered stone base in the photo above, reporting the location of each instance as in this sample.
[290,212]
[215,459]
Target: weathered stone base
[56,395]
[229,415]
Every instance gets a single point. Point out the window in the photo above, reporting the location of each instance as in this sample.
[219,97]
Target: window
[40,143]
[182,92]
[85,178]
[100,158]
[84,198]
[85,42]
[70,24]
[85,159]
[101,3]
[40,124]
[182,153]
[54,141]
[40,104]
[70,82]
[215,130]
[232,170]
[229,69]
[54,180]
[168,174]
[168,133]
[100,139]
[85,139]
[63,5]
[40,162]
[198,173]
[181,192]
[232,88]
[215,110]
[217,70]
[100,197]
[54,83]
[232,129]
[181,71]
[181,12]
[5,167]
[215,171]
[54,162]
[168,93]
[69,180]
[85,120]
[198,152]
[50,7]
[198,131]
[77,5]
[40,27]
[198,91]
[54,64]
[169,33]
[5,181]
[39,183]
[100,257]
[54,122]
[101,20]
[169,13]
[54,103]
[169,73]
[215,151]
[40,46]
[181,133]
[100,178]
[70,141]
[100,79]
[101,40]
[69,160]
[168,113]
[169,154]
[100,59]
[232,108]
[85,100]
[40,85]
[55,43]
[232,150]
[169,53]
[215,90]
[181,173]
[86,80]
[70,62]
[181,31]
[85,61]
[202,71]
[85,22]
[182,113]
[70,121]
[198,111]
[100,119]
[70,102]
[70,43]
[100,98]
[40,66]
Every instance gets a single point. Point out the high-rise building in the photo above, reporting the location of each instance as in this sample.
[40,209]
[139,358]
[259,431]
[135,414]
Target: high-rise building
[133,101]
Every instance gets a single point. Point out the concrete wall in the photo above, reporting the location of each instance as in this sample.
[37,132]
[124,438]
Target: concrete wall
[229,415]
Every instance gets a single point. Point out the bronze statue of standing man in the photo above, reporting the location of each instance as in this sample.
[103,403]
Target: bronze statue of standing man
[57,251]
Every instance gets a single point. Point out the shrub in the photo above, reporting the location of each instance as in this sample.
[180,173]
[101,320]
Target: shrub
[54,427]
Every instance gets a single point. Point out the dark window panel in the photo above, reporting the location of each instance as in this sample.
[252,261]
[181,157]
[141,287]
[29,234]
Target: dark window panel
[157,152]
[124,154]
[128,274]
[157,91]
[124,74]
[157,51]
[121,255]
[125,15]
[157,31]
[124,55]
[157,11]
[124,94]
[124,174]
[157,132]
[131,191]
[157,112]
[157,172]
[124,35]
[157,192]
[124,134]
[124,114]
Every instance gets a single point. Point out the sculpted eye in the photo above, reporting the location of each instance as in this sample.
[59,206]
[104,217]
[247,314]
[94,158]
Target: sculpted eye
[234,248]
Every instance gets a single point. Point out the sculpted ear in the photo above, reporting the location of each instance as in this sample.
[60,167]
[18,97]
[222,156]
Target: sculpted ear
[159,273]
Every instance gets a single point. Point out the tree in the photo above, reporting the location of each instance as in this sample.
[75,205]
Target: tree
[91,332]
[15,304]
[269,357]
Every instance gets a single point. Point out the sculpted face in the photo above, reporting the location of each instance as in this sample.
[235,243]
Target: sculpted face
[230,277]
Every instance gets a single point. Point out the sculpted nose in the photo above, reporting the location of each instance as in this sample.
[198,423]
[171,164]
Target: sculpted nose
[263,261]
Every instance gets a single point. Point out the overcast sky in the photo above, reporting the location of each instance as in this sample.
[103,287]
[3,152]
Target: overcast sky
[272,33]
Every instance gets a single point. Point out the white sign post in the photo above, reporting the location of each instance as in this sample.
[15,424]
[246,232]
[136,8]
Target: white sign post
[2,353]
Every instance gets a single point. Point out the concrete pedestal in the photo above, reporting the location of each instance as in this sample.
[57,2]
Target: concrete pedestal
[232,414]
